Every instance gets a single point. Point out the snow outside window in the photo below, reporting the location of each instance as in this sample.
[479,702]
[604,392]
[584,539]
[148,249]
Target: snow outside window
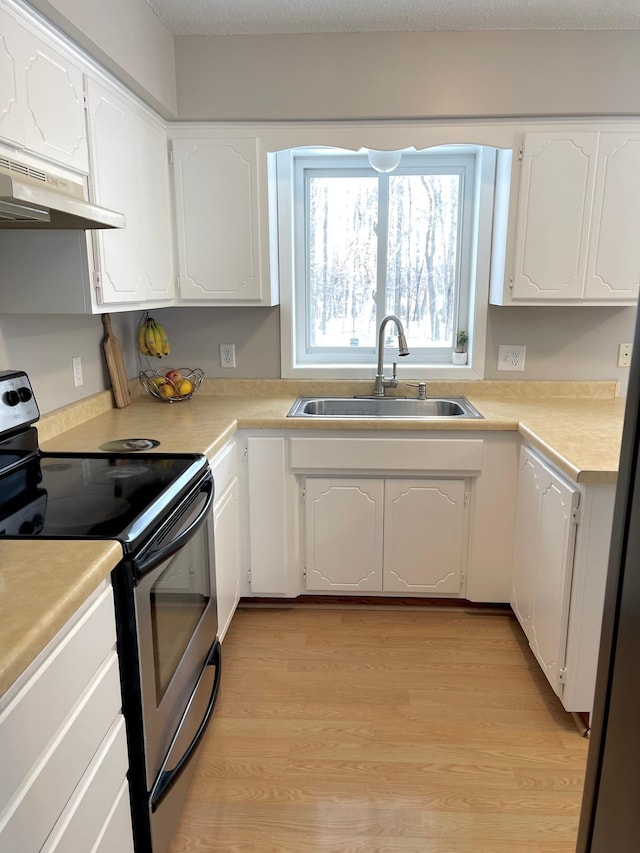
[356,244]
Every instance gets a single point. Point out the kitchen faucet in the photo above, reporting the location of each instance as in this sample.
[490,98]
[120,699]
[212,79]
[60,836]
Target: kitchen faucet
[381,381]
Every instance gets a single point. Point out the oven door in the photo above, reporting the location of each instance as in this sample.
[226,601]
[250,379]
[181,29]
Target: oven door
[179,655]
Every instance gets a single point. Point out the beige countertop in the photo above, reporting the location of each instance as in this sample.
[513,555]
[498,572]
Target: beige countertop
[580,434]
[41,585]
[577,425]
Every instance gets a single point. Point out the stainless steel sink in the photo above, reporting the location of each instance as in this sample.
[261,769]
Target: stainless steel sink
[382,407]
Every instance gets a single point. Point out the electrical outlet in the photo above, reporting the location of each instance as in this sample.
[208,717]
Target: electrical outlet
[76,361]
[624,355]
[227,355]
[511,357]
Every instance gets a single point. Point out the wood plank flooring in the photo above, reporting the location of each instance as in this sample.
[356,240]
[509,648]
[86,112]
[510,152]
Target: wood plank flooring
[380,730]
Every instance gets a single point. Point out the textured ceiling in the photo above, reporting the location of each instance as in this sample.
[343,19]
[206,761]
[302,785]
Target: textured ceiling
[226,17]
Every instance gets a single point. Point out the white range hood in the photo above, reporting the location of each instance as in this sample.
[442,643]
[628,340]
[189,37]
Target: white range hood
[34,198]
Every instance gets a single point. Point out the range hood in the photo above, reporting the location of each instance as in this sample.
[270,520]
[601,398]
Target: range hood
[33,198]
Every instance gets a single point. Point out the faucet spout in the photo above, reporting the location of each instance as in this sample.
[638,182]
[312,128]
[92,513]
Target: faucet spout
[381,381]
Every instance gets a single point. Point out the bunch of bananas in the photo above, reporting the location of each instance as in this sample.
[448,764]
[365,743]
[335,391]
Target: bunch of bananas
[152,339]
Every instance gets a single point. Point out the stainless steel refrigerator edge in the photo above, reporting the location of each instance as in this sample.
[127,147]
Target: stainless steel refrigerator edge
[610,816]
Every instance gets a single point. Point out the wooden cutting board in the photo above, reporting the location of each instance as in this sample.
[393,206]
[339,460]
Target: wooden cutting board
[115,365]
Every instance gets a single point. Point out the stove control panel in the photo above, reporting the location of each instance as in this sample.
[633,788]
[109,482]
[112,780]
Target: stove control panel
[18,407]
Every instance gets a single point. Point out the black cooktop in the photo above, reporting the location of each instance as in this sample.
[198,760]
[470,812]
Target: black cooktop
[101,495]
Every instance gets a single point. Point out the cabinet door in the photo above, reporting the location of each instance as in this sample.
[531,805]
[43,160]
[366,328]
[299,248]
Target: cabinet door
[424,536]
[554,564]
[221,250]
[271,550]
[526,536]
[543,561]
[613,268]
[343,534]
[11,113]
[552,230]
[55,124]
[226,514]
[130,174]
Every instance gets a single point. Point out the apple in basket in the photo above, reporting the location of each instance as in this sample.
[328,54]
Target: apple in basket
[174,376]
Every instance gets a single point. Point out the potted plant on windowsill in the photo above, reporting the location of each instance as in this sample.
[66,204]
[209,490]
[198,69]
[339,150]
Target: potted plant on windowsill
[459,354]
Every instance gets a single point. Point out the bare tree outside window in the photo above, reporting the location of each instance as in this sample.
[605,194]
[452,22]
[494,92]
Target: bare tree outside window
[346,216]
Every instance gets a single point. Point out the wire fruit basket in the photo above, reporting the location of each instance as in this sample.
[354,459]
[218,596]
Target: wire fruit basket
[173,386]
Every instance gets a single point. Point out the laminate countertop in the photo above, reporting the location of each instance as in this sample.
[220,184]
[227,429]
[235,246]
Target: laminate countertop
[577,425]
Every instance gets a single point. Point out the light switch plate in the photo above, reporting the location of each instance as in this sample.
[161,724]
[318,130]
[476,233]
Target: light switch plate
[511,357]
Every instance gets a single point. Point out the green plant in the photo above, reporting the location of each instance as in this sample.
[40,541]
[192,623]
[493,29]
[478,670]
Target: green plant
[461,341]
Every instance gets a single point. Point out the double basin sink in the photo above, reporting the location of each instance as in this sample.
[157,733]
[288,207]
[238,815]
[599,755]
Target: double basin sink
[383,407]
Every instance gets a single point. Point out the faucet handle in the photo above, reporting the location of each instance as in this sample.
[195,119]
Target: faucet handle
[422,389]
[394,370]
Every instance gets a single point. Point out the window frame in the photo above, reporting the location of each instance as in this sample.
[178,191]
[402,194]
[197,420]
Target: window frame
[475,255]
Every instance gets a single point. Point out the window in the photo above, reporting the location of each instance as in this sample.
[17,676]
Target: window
[356,244]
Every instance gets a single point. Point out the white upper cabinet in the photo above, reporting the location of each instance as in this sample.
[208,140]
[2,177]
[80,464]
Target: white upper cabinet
[613,262]
[41,96]
[222,219]
[11,112]
[130,174]
[575,237]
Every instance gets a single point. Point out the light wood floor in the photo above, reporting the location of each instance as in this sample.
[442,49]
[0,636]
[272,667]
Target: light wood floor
[356,731]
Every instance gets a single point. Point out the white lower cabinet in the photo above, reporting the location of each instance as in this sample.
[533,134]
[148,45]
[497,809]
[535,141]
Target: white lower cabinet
[391,514]
[425,533]
[561,547]
[63,742]
[228,533]
[343,535]
[392,536]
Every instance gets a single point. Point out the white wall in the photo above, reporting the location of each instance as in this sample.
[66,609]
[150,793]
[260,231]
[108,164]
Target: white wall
[127,38]
[562,343]
[44,345]
[408,75]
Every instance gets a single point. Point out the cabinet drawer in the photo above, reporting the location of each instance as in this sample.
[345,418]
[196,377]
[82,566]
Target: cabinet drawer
[34,716]
[224,468]
[87,812]
[27,819]
[117,834]
[380,454]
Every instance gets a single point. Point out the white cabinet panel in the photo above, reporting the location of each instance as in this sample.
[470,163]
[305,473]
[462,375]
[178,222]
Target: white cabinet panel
[62,738]
[552,585]
[543,562]
[343,530]
[55,120]
[270,538]
[41,96]
[88,810]
[525,548]
[553,225]
[222,222]
[117,831]
[130,174]
[613,265]
[574,235]
[62,678]
[390,536]
[228,534]
[11,114]
[43,795]
[424,536]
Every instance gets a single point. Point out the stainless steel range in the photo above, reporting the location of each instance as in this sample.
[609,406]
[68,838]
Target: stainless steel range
[159,507]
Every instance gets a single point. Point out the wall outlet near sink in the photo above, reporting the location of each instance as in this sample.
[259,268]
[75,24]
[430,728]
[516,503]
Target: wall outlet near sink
[511,357]
[227,355]
[624,355]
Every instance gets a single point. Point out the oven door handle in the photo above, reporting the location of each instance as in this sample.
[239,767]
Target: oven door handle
[166,778]
[154,558]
